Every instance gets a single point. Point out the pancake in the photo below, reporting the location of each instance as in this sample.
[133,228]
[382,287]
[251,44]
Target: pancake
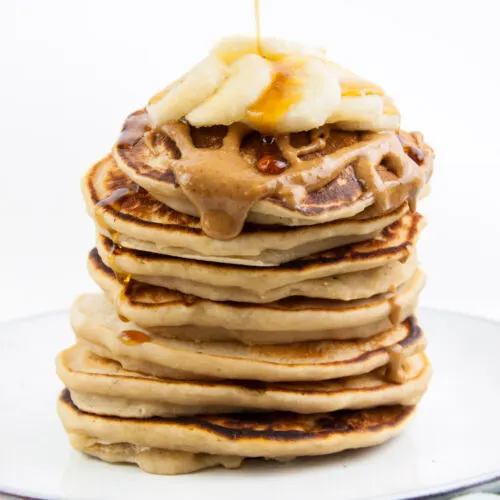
[350,286]
[154,160]
[395,243]
[158,308]
[354,271]
[134,219]
[279,435]
[101,386]
[98,328]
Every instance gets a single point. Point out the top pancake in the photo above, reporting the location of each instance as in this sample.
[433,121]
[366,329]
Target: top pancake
[149,158]
[138,221]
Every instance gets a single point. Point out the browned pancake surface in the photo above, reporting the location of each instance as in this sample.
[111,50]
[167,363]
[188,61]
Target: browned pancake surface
[282,426]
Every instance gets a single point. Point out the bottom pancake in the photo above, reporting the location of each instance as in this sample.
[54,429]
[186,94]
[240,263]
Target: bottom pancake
[153,443]
[152,460]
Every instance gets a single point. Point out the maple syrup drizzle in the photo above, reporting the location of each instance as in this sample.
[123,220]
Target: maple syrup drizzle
[125,281]
[283,92]
[133,337]
[258,38]
[108,201]
[271,165]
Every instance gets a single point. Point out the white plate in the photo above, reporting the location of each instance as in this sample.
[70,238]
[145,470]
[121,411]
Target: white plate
[454,442]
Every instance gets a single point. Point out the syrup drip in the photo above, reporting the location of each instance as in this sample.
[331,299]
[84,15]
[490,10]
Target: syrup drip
[256,4]
[270,165]
[133,337]
[283,92]
[114,197]
[125,282]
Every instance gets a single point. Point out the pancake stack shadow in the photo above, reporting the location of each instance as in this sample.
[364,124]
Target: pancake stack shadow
[298,336]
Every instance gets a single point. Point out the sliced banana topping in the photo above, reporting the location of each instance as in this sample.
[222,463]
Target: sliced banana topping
[287,87]
[249,77]
[304,93]
[191,90]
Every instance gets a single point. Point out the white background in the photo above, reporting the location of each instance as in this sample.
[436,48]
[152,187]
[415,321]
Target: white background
[70,71]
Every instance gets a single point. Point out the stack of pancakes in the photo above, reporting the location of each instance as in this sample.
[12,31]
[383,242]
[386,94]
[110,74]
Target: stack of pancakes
[227,329]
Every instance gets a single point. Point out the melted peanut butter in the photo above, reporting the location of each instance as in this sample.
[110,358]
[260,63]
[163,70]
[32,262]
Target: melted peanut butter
[406,256]
[137,125]
[395,314]
[396,368]
[133,337]
[223,185]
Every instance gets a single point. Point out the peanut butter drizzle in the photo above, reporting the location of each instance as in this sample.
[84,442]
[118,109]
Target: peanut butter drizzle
[396,368]
[406,256]
[137,125]
[395,314]
[224,186]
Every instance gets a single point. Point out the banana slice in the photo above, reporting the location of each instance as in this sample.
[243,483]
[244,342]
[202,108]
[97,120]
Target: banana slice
[288,87]
[320,97]
[358,108]
[232,48]
[250,76]
[377,123]
[188,92]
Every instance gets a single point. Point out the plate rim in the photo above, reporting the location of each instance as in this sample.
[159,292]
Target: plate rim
[482,481]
